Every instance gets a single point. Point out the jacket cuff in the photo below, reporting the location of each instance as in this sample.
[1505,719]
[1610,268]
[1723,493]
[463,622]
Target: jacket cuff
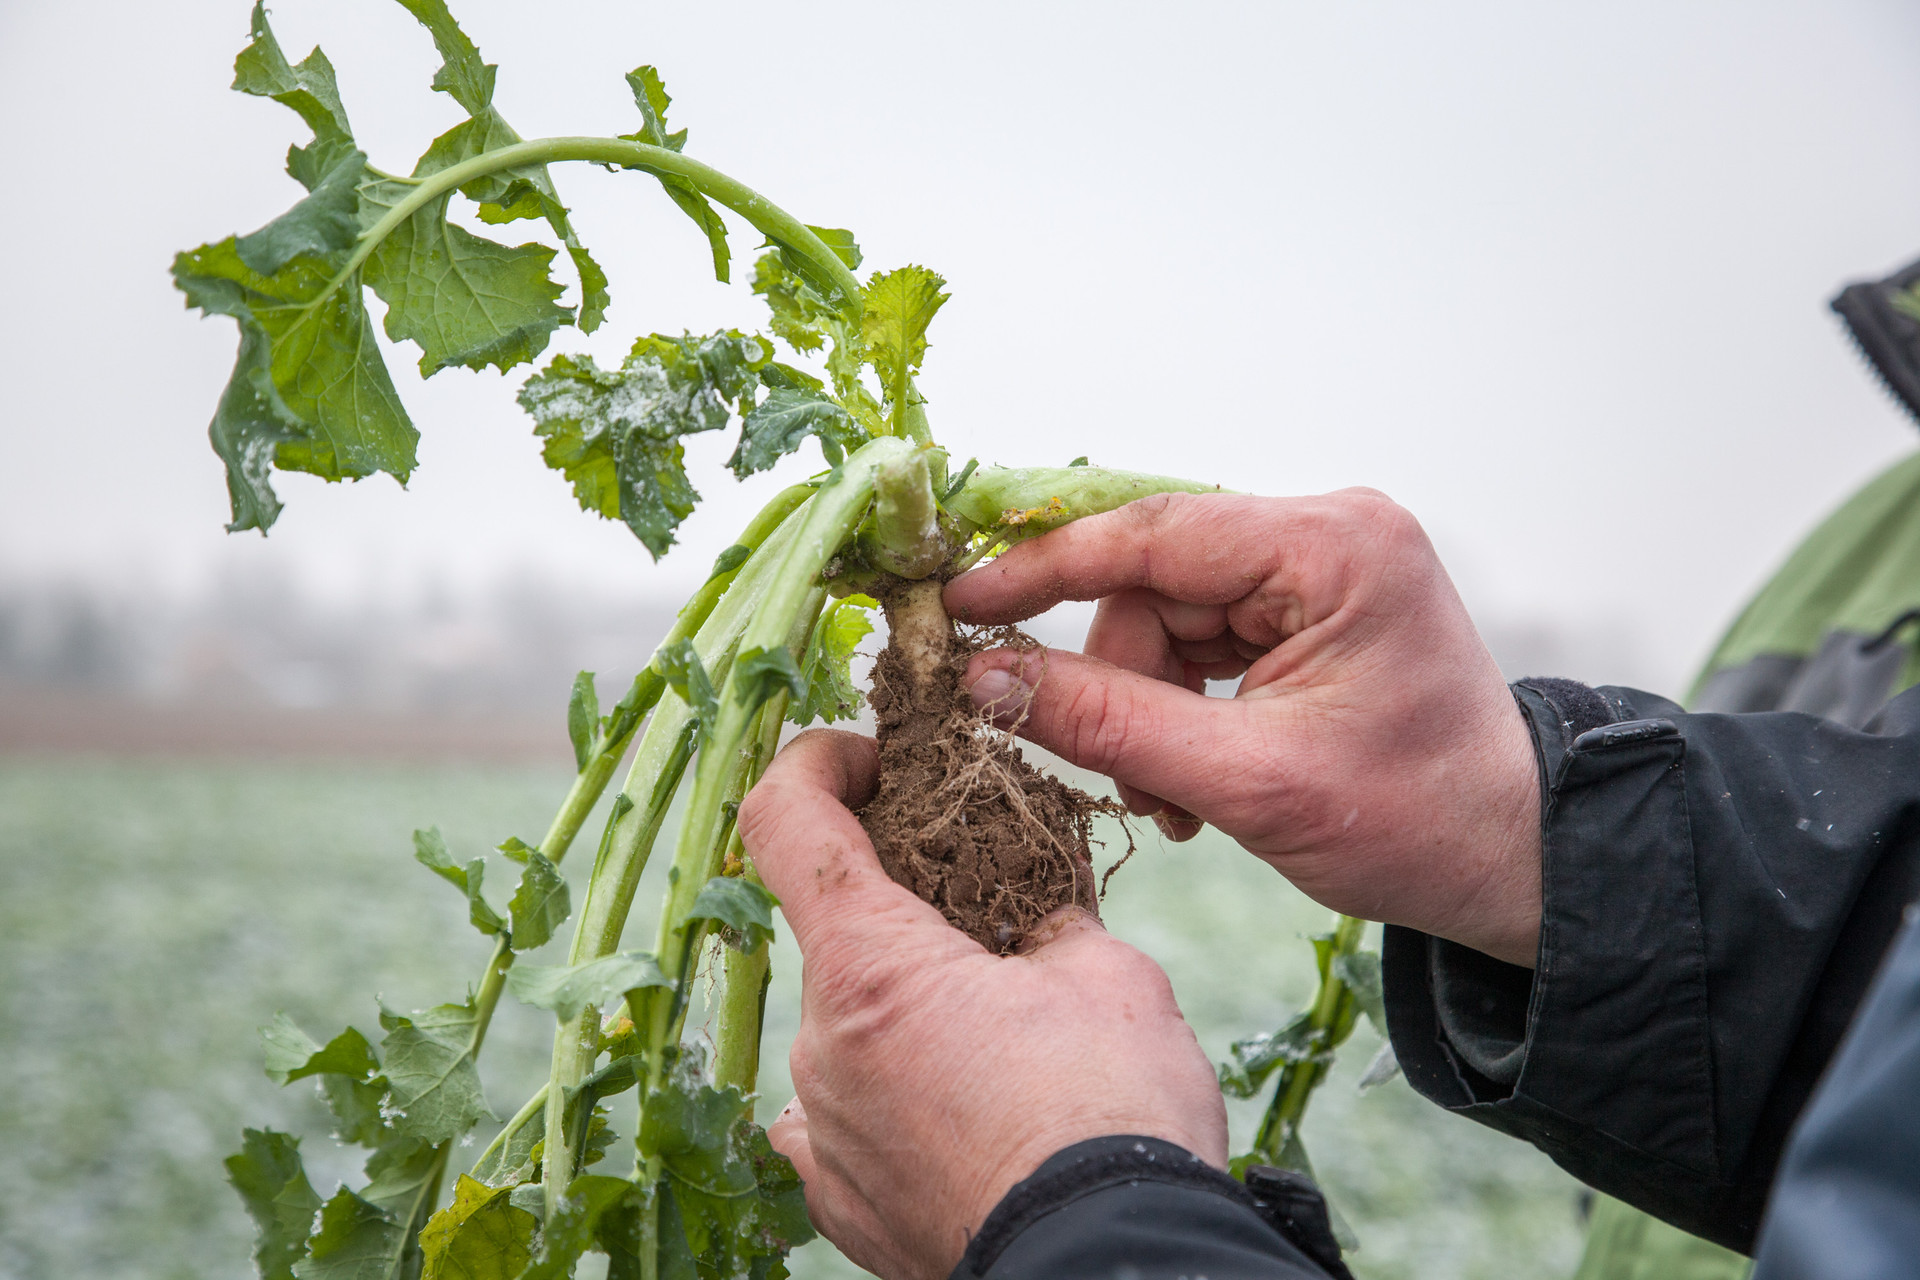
[1143,1207]
[1618,994]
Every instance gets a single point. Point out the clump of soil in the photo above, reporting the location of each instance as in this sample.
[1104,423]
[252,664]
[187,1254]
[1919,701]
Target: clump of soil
[960,817]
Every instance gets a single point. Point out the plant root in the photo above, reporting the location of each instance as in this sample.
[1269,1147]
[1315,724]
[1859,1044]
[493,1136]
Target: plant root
[960,817]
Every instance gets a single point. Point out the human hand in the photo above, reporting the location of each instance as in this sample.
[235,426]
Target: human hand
[1373,754]
[932,1076]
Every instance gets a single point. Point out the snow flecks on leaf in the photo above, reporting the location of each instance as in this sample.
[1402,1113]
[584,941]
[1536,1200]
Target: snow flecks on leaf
[355,1241]
[615,435]
[831,694]
[737,1200]
[806,321]
[435,1084]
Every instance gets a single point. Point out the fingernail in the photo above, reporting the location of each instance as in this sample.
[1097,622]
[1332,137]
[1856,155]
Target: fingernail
[998,692]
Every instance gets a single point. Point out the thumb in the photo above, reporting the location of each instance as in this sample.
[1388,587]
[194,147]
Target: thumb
[1141,732]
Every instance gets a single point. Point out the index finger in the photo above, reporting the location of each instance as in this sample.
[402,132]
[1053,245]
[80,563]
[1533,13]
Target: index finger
[1198,548]
[812,852]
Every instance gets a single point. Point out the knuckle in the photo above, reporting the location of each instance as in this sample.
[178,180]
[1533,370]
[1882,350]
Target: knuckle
[1096,720]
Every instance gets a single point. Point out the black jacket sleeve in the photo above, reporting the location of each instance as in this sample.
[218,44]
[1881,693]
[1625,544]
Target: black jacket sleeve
[1718,892]
[1146,1209]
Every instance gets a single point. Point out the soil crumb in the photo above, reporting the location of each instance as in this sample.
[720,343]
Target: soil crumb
[960,817]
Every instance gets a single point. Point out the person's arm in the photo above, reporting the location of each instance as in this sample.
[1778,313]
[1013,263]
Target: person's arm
[1718,893]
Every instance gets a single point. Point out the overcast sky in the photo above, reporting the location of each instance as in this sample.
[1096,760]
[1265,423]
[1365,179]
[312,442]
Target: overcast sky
[1554,276]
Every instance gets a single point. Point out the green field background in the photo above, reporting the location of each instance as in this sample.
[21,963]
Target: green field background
[154,914]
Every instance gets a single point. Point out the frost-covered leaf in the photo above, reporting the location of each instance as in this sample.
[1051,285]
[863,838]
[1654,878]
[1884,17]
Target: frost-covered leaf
[272,1182]
[739,906]
[738,1199]
[900,305]
[651,97]
[759,674]
[1254,1059]
[777,425]
[571,1230]
[616,435]
[356,1241]
[435,1085]
[828,672]
[1361,972]
[479,1236]
[583,717]
[540,903]
[567,989]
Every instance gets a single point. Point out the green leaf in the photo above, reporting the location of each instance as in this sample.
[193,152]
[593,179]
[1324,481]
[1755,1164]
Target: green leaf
[466,300]
[327,222]
[540,903]
[272,1181]
[526,192]
[430,851]
[309,89]
[436,1086]
[571,1230]
[616,435]
[805,321]
[759,674]
[778,424]
[398,1176]
[828,672]
[480,1236]
[583,718]
[840,242]
[899,306]
[512,1162]
[355,1241]
[1361,972]
[740,906]
[1255,1059]
[349,1070]
[514,849]
[679,663]
[309,392]
[960,481]
[650,95]
[738,1199]
[566,989]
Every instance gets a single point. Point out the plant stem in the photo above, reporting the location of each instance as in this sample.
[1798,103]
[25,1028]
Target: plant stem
[765,216]
[744,974]
[1330,1021]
